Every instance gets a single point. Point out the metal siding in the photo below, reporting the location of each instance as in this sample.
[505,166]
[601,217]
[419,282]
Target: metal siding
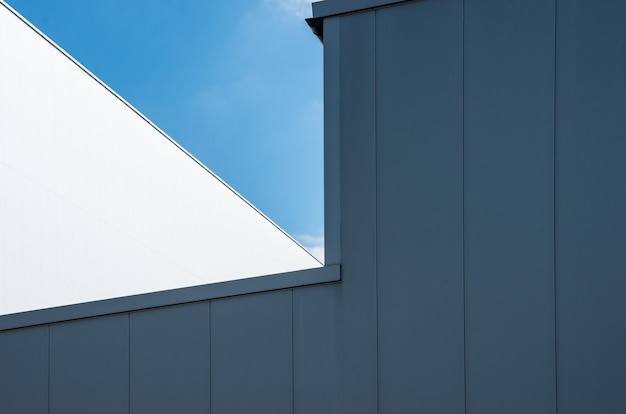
[24,371]
[509,209]
[591,202]
[251,354]
[89,366]
[318,349]
[332,136]
[420,189]
[169,360]
[357,298]
[315,350]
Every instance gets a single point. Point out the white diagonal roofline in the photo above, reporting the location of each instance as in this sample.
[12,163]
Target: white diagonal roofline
[152,124]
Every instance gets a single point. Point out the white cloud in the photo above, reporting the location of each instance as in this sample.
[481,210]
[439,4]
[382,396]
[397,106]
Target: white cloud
[314,245]
[296,8]
[317,252]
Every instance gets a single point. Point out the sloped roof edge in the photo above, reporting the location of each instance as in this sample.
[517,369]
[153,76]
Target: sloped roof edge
[149,122]
[330,8]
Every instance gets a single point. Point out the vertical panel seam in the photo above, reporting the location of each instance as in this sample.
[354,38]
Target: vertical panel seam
[463,272]
[375,130]
[210,390]
[49,363]
[338,341]
[293,376]
[554,218]
[338,137]
[129,350]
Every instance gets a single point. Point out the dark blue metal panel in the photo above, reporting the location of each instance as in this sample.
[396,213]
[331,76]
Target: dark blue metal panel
[509,209]
[315,350]
[169,360]
[357,311]
[24,371]
[89,366]
[420,207]
[332,136]
[591,206]
[251,354]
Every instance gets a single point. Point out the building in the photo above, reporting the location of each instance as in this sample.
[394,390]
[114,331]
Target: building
[474,208]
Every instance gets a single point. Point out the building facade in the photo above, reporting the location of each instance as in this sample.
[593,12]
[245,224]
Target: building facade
[474,206]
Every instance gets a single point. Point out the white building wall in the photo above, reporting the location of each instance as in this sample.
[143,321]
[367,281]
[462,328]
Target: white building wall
[96,202]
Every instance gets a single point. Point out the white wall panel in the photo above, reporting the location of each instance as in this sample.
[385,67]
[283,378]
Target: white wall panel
[95,202]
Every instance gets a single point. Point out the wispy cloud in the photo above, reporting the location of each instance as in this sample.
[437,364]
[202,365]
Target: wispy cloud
[297,8]
[314,244]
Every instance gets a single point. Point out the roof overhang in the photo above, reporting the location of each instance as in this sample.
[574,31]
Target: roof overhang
[331,8]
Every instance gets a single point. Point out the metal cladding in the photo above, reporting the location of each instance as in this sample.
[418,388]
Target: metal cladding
[475,157]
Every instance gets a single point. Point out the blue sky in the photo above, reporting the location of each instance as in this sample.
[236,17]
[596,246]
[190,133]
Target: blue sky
[237,83]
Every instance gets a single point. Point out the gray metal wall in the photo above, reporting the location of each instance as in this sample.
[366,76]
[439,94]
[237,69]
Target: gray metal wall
[233,355]
[482,241]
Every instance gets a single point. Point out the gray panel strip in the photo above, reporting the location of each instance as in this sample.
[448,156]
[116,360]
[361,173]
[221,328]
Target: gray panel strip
[89,365]
[591,206]
[172,297]
[357,313]
[332,125]
[315,350]
[24,371]
[169,360]
[509,206]
[251,354]
[420,207]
